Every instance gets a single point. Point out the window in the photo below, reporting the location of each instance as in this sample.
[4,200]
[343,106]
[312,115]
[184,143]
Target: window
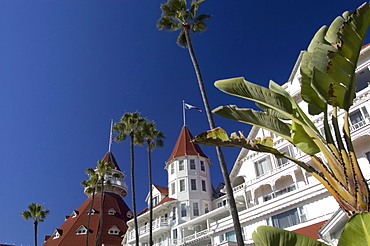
[263,166]
[368,156]
[183,210]
[204,185]
[114,230]
[206,210]
[174,234]
[173,213]
[172,168]
[92,211]
[195,209]
[56,233]
[202,167]
[230,236]
[193,183]
[173,188]
[192,164]
[81,230]
[221,238]
[181,165]
[74,214]
[288,151]
[111,211]
[182,185]
[155,201]
[358,118]
[362,78]
[302,214]
[288,218]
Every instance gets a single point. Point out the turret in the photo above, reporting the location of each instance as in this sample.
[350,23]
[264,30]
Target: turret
[115,177]
[189,179]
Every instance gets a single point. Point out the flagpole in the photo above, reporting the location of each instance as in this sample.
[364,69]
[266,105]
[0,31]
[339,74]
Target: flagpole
[183,112]
[110,135]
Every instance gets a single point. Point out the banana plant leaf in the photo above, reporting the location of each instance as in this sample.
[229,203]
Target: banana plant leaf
[276,99]
[256,118]
[328,67]
[272,236]
[357,231]
[219,137]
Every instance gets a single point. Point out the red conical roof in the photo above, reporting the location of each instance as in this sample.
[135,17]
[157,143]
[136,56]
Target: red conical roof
[184,146]
[110,158]
[112,202]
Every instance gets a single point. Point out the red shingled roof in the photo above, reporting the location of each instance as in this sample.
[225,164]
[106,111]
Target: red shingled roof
[161,189]
[164,200]
[184,146]
[68,229]
[110,158]
[311,230]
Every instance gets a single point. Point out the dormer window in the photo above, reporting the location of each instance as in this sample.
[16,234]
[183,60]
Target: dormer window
[56,234]
[114,230]
[81,230]
[155,201]
[74,213]
[111,211]
[92,211]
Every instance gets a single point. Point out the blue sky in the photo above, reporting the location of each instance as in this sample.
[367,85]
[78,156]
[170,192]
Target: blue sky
[67,67]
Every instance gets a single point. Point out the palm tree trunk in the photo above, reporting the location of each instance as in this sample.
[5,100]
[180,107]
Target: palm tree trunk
[101,213]
[89,218]
[150,195]
[133,187]
[221,158]
[35,229]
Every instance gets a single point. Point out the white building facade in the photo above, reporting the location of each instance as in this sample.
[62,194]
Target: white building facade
[268,191]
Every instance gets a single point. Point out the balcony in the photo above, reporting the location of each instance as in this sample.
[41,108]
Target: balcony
[198,236]
[360,124]
[193,238]
[158,226]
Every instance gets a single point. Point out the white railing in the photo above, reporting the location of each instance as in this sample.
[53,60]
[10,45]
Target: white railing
[176,241]
[269,173]
[239,187]
[198,235]
[360,124]
[161,223]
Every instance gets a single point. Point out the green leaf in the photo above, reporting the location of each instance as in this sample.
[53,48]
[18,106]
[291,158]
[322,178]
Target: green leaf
[255,118]
[357,231]
[272,236]
[303,141]
[218,137]
[328,67]
[259,94]
[276,99]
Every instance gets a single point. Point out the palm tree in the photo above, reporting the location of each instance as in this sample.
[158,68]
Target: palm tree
[130,124]
[175,16]
[154,138]
[103,169]
[37,213]
[90,186]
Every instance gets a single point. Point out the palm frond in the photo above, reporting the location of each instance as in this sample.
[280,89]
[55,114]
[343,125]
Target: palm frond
[181,40]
